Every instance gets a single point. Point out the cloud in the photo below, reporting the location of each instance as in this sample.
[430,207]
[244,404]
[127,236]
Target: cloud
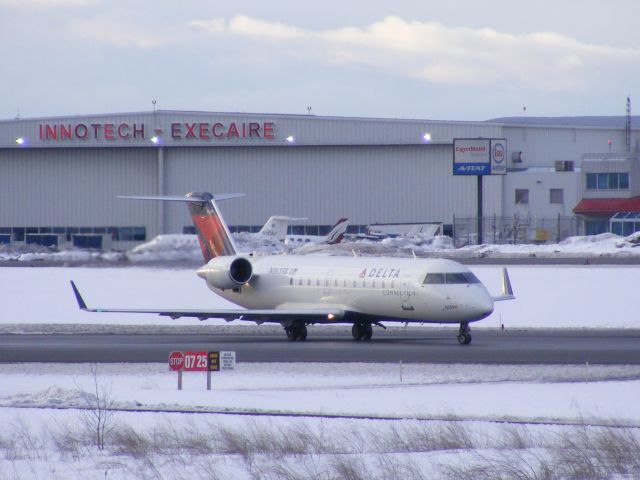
[42,4]
[114,32]
[435,53]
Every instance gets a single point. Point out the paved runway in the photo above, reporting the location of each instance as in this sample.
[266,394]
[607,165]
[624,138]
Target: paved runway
[414,346]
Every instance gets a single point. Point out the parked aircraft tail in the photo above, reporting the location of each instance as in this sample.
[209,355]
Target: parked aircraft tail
[337,233]
[277,225]
[211,229]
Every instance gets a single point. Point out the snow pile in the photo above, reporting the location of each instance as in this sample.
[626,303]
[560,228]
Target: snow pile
[166,248]
[185,248]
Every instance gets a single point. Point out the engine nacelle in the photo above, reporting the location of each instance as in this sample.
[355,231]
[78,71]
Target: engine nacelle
[227,272]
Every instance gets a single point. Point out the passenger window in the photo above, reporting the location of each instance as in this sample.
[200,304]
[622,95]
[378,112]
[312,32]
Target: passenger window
[291,281]
[434,278]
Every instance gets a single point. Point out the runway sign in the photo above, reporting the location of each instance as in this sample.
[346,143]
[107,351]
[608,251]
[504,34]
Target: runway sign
[176,361]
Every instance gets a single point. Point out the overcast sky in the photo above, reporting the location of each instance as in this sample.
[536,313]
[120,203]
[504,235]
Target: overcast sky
[446,59]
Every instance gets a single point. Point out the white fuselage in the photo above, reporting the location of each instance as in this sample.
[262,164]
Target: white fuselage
[386,288]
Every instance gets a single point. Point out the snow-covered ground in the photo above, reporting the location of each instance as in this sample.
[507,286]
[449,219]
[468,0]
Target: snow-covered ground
[547,296]
[433,421]
[434,418]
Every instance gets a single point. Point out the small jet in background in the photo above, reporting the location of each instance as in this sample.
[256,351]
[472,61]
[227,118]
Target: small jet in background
[334,236]
[276,228]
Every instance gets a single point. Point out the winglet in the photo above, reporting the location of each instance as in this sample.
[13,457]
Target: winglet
[79,299]
[506,283]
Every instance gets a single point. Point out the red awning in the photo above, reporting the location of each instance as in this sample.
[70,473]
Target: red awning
[607,206]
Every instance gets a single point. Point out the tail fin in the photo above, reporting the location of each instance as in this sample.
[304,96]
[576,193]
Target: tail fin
[276,227]
[337,233]
[213,233]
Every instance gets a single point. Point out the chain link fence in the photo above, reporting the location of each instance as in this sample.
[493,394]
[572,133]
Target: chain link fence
[515,229]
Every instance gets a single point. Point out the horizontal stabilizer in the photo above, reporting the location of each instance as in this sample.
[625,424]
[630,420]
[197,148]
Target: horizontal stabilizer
[181,198]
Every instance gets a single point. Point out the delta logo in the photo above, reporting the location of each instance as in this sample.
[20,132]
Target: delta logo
[380,273]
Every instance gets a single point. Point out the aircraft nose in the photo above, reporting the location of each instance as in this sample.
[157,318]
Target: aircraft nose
[481,306]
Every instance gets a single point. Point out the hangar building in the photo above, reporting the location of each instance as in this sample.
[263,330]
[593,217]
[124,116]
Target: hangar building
[61,175]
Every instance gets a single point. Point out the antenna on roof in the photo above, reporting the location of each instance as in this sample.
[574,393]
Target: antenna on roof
[628,126]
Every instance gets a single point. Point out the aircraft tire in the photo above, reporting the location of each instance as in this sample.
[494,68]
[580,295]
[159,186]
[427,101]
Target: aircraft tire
[356,331]
[468,339]
[302,333]
[464,338]
[290,333]
[367,332]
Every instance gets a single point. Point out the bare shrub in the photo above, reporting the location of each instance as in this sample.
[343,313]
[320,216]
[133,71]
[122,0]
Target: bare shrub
[517,437]
[127,441]
[423,437]
[98,416]
[594,453]
[25,443]
[510,465]
[619,449]
[350,467]
[68,441]
[403,467]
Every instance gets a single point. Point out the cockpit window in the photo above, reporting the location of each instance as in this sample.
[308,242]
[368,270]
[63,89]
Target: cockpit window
[451,278]
[471,278]
[455,278]
[434,278]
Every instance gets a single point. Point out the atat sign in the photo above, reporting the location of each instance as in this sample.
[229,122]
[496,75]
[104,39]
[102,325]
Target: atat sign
[479,156]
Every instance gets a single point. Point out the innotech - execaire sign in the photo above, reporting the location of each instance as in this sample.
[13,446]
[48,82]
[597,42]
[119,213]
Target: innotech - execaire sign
[479,156]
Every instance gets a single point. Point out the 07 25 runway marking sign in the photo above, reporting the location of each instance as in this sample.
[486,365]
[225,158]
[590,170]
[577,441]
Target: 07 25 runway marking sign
[188,361]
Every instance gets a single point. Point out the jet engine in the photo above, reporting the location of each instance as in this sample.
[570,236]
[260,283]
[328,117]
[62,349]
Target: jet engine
[227,272]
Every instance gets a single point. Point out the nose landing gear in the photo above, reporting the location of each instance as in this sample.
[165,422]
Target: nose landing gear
[464,335]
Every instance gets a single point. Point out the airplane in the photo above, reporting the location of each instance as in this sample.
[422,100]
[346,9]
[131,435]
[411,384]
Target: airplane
[333,237]
[297,291]
[275,229]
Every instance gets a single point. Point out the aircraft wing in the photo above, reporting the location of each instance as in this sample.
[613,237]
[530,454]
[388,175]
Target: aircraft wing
[312,313]
[507,290]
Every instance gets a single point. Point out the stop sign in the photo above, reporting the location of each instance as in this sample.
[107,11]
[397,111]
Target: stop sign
[176,361]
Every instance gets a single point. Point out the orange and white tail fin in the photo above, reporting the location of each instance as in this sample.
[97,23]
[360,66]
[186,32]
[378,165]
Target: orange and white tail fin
[213,233]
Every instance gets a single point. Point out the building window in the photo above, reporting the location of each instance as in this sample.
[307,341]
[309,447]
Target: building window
[608,181]
[556,195]
[595,227]
[625,223]
[522,196]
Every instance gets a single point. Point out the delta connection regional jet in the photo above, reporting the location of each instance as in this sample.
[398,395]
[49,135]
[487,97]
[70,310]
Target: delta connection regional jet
[297,291]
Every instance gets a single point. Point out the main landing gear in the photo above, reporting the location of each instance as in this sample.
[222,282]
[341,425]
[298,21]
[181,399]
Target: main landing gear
[464,335]
[362,331]
[296,331]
